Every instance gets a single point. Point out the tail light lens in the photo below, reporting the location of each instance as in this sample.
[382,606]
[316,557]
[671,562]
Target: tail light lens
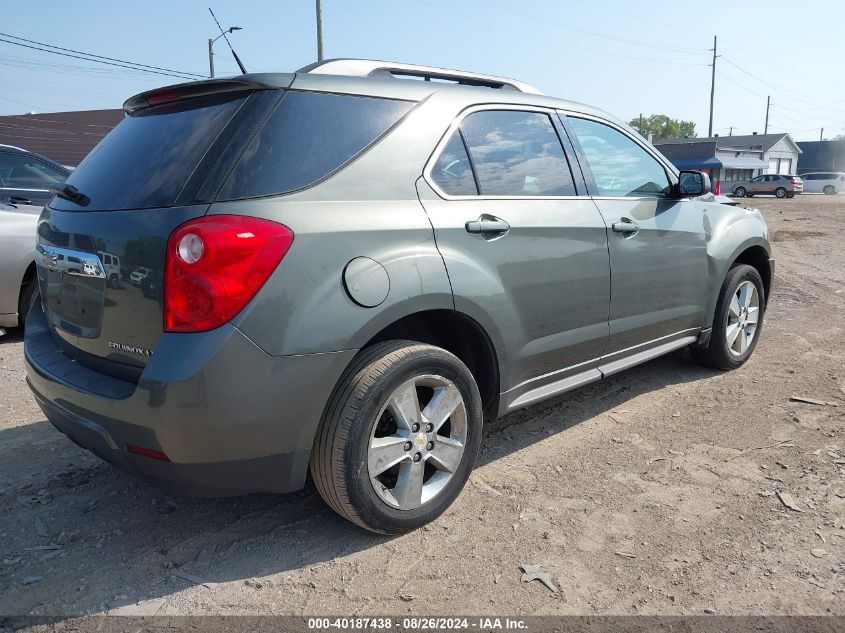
[215,265]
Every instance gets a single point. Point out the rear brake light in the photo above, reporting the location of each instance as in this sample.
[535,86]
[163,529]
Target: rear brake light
[214,267]
[163,96]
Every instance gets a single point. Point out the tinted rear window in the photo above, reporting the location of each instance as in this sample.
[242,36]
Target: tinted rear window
[147,159]
[309,136]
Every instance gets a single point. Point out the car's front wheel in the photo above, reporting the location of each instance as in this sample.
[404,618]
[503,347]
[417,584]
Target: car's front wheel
[737,321]
[740,192]
[399,437]
[829,190]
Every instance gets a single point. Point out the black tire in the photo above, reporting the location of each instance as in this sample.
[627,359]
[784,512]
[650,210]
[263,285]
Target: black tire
[780,192]
[28,297]
[716,354]
[114,281]
[790,195]
[339,464]
[829,190]
[740,192]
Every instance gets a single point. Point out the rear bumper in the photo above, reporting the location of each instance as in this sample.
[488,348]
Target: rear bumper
[230,418]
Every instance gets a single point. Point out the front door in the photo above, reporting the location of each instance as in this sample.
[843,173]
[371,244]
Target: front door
[658,252]
[526,256]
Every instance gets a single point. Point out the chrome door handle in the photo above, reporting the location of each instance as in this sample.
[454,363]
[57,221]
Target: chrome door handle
[625,226]
[487,224]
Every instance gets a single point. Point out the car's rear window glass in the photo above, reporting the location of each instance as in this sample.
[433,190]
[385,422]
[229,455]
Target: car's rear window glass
[146,160]
[309,136]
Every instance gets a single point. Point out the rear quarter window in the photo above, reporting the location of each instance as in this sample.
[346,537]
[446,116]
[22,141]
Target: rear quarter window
[309,136]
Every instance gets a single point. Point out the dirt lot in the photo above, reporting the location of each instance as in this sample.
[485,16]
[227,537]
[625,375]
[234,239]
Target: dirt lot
[651,492]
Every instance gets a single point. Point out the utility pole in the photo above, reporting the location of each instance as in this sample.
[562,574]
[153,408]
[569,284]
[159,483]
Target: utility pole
[712,88]
[731,131]
[641,124]
[821,135]
[319,31]
[768,102]
[211,41]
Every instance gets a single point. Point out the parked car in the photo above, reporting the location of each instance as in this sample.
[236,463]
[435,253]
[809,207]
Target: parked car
[138,275]
[25,178]
[359,269]
[778,185]
[18,283]
[111,266]
[827,182]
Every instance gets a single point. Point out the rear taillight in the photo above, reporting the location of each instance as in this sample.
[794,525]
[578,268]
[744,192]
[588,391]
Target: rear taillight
[214,267]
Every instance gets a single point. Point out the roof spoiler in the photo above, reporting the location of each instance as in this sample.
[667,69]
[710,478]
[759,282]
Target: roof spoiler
[374,68]
[179,92]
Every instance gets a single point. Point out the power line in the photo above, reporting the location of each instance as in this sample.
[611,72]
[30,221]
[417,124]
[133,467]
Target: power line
[89,59]
[787,93]
[96,57]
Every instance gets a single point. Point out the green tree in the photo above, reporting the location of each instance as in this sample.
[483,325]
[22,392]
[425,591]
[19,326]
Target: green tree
[661,126]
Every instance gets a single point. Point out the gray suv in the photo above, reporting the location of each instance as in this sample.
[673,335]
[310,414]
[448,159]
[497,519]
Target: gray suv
[359,264]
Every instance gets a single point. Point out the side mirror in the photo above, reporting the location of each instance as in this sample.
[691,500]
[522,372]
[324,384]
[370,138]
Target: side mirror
[692,184]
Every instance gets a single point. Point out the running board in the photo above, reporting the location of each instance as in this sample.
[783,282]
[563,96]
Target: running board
[614,367]
[591,375]
[554,388]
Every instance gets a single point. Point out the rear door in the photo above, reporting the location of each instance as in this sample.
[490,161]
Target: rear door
[522,248]
[757,185]
[26,179]
[141,182]
[657,244]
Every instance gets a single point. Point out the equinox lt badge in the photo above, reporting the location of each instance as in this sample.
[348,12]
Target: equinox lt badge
[131,349]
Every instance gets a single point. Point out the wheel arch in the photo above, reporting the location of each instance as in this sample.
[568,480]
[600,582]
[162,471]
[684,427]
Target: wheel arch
[755,252]
[459,334]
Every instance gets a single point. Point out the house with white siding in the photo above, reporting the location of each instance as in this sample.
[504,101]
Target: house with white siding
[731,158]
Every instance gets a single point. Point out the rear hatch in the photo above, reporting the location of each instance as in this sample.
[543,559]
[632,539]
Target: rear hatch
[101,257]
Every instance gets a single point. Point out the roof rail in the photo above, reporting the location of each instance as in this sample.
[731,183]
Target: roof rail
[374,68]
[14,147]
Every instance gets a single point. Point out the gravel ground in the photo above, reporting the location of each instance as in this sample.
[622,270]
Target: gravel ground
[662,490]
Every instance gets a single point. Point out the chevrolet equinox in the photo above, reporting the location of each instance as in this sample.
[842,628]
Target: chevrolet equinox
[354,265]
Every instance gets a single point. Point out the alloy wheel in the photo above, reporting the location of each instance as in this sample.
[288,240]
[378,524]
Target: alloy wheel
[417,441]
[743,318]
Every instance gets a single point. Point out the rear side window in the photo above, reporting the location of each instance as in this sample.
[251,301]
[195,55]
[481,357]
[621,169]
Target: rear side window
[517,154]
[309,136]
[452,171]
[147,159]
[27,172]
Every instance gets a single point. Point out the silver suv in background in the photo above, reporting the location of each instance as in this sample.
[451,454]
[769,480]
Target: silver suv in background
[18,283]
[827,182]
[26,178]
[778,185]
[354,269]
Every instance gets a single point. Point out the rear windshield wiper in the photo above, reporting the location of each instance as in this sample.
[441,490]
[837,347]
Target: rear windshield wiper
[71,193]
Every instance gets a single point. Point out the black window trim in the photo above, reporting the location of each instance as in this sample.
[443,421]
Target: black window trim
[669,168]
[456,125]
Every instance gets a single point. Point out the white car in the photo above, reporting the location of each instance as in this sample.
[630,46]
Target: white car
[138,275]
[111,264]
[828,182]
[18,281]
